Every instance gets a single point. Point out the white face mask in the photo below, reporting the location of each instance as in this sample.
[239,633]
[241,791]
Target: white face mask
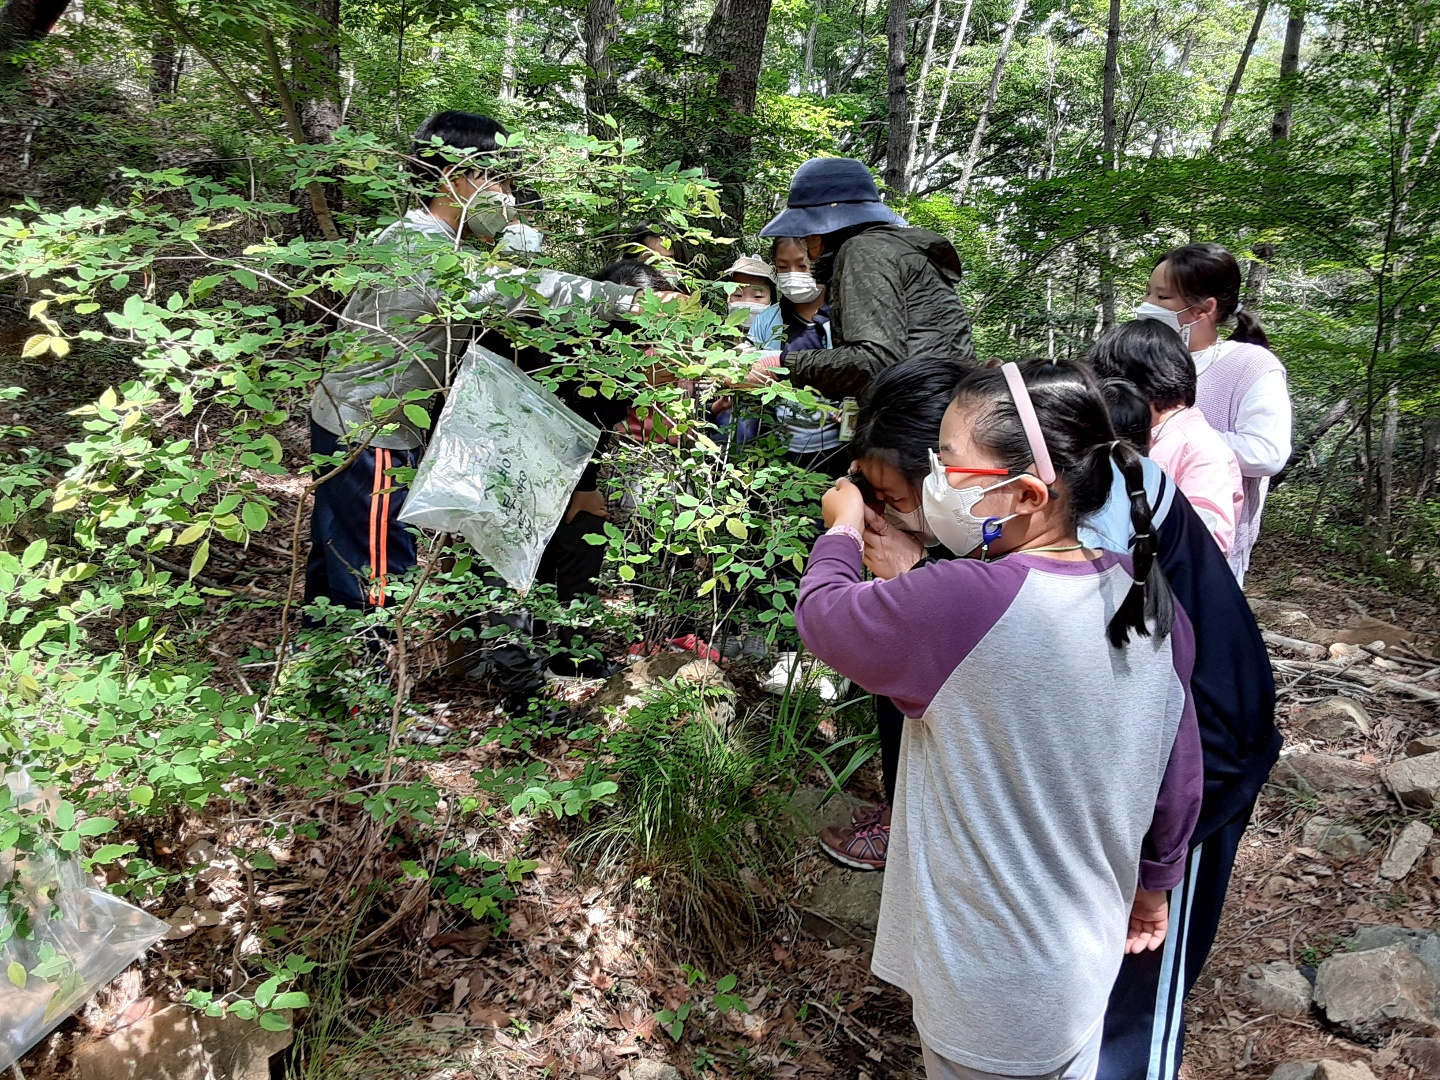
[1169,318]
[948,511]
[520,237]
[750,308]
[488,214]
[912,522]
[799,287]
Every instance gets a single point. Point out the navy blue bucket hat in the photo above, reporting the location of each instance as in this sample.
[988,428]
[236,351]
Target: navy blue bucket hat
[830,194]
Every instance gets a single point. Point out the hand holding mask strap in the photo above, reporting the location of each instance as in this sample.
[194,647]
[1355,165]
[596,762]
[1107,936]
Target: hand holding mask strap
[1030,422]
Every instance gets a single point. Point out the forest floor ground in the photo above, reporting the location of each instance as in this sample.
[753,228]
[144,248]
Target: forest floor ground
[573,987]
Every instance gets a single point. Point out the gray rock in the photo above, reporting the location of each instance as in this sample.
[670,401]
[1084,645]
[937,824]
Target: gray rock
[1405,852]
[809,810]
[844,906]
[1295,1070]
[240,1049]
[1423,943]
[653,1070]
[1426,744]
[1343,1070]
[1324,772]
[1377,993]
[178,1043]
[1343,842]
[628,688]
[1276,988]
[1333,719]
[1416,780]
[1286,618]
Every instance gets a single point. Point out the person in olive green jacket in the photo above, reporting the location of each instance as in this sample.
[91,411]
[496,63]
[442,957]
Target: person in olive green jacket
[892,287]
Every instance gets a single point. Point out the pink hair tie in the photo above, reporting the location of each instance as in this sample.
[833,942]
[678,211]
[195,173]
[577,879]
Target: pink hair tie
[1030,422]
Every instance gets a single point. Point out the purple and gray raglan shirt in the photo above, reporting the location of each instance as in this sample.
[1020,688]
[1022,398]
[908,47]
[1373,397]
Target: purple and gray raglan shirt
[1044,776]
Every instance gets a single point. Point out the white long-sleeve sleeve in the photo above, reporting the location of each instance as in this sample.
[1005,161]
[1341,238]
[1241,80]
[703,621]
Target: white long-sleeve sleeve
[1263,427]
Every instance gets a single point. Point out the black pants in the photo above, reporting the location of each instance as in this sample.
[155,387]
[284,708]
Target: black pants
[891,723]
[1145,1020]
[357,543]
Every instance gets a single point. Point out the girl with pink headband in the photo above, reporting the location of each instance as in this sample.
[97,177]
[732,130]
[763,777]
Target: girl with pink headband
[1034,832]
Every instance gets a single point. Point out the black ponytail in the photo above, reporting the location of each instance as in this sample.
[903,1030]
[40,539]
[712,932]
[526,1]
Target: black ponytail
[1248,330]
[1200,271]
[1076,424]
[1149,603]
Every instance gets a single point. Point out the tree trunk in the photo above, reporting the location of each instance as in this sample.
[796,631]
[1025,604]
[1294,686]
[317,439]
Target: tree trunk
[164,68]
[1107,157]
[1289,69]
[315,191]
[897,145]
[1385,489]
[1235,80]
[982,122]
[24,21]
[927,60]
[508,70]
[315,70]
[737,43]
[1259,272]
[1161,129]
[1429,479]
[955,47]
[601,28]
[810,35]
[1112,73]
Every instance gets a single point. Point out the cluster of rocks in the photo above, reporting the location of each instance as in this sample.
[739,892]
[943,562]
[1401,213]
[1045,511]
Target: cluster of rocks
[1384,986]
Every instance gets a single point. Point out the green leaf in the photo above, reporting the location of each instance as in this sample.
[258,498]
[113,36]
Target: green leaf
[95,826]
[16,971]
[110,852]
[265,992]
[188,774]
[142,795]
[33,554]
[418,416]
[255,516]
[245,278]
[201,557]
[736,528]
[193,533]
[293,999]
[274,1021]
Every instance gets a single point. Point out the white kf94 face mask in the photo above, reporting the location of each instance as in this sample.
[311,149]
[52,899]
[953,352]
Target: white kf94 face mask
[948,511]
[1170,318]
[799,287]
[912,522]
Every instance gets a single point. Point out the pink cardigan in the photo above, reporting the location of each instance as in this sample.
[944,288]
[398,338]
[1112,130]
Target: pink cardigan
[1204,467]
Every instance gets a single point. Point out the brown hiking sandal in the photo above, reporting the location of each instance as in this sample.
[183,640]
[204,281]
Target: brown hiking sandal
[860,848]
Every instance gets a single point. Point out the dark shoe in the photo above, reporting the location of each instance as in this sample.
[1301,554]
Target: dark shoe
[869,815]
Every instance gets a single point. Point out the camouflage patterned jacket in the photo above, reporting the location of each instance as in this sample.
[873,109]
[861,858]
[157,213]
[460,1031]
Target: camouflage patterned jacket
[892,297]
